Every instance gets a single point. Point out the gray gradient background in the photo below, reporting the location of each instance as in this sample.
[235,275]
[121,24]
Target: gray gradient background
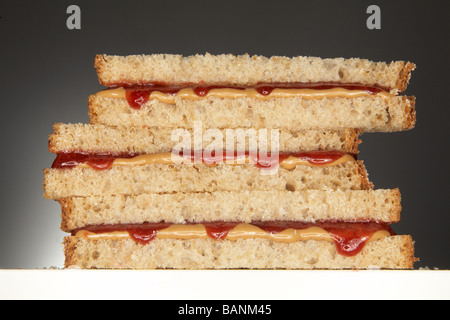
[47,74]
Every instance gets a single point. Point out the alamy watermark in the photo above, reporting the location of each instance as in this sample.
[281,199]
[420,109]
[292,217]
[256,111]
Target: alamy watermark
[374,20]
[74,20]
[228,146]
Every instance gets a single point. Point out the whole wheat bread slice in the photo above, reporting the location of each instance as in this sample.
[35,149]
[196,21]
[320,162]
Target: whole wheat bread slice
[100,138]
[367,113]
[191,178]
[245,206]
[396,252]
[248,70]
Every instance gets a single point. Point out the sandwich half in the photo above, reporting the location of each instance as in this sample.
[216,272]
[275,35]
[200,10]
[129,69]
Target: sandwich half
[226,91]
[225,230]
[95,160]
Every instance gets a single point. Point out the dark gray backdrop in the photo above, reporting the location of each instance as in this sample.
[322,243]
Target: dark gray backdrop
[47,74]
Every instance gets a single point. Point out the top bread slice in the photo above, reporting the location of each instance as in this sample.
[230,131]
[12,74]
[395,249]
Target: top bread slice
[246,70]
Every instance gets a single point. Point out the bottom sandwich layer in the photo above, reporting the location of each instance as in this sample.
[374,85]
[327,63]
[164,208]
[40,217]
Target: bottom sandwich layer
[394,252]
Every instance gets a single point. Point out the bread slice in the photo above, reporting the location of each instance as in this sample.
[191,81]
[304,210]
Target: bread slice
[100,138]
[245,206]
[395,252]
[164,178]
[367,113]
[248,70]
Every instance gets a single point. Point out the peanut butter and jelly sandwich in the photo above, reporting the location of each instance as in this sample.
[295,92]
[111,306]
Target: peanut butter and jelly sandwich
[231,162]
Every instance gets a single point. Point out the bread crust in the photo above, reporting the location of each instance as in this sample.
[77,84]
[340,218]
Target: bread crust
[405,76]
[410,112]
[365,183]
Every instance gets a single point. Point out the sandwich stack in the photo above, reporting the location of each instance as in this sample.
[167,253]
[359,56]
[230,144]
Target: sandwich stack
[225,162]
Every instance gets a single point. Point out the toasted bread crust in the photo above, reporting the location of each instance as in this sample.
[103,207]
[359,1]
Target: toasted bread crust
[410,121]
[365,183]
[405,76]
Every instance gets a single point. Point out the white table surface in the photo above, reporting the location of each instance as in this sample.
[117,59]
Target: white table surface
[224,284]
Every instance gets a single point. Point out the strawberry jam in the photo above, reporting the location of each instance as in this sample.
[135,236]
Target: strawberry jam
[99,161]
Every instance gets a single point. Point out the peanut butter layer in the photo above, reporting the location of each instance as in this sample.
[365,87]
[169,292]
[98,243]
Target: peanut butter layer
[349,238]
[286,161]
[241,231]
[233,93]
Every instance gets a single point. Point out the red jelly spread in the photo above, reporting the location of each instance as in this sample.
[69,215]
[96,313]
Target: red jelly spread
[138,95]
[145,235]
[219,230]
[105,160]
[141,233]
[349,237]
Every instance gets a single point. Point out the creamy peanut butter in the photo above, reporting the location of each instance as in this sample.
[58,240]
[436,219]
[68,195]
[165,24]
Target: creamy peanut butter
[291,162]
[241,231]
[171,158]
[232,93]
